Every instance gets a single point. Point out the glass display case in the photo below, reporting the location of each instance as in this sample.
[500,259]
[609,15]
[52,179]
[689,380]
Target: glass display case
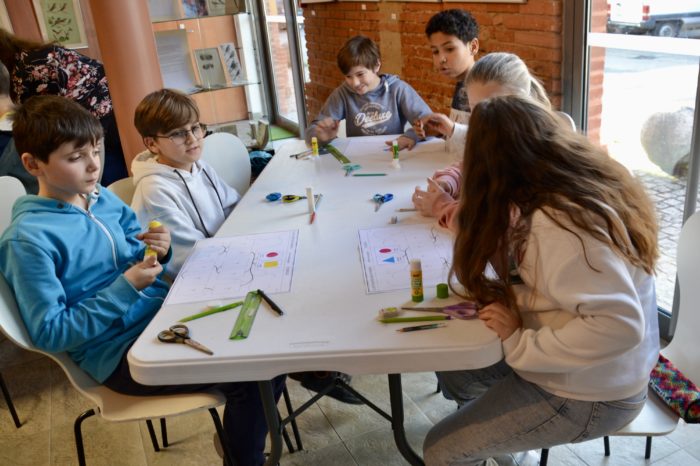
[209,49]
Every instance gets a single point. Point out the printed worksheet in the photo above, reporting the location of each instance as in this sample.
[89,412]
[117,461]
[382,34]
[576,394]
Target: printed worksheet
[363,145]
[223,268]
[387,252]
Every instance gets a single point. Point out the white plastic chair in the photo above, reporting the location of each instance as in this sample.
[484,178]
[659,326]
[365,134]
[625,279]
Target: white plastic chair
[229,157]
[10,189]
[657,419]
[124,188]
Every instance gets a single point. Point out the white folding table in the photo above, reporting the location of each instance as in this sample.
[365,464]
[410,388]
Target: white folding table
[330,319]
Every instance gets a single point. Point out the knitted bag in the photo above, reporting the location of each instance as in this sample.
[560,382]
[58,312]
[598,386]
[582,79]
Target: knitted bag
[678,392]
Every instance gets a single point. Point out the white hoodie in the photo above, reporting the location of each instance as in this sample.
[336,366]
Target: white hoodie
[161,194]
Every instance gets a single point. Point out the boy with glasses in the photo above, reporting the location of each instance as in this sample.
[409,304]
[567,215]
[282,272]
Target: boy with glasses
[173,186]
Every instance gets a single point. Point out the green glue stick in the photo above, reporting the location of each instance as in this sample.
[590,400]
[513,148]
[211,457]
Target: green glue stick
[416,281]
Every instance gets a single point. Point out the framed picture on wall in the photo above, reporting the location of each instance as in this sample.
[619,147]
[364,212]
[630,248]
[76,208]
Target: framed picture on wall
[5,22]
[222,7]
[61,21]
[211,71]
[232,64]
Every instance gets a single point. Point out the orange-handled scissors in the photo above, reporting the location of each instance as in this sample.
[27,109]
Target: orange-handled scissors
[181,334]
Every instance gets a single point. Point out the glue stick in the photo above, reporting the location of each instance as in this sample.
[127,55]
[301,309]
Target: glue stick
[395,151]
[416,281]
[149,251]
[314,146]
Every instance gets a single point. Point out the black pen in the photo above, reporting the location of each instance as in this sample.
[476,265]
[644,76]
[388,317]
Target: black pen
[420,327]
[270,302]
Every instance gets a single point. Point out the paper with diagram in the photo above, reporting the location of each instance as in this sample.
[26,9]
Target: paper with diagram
[223,268]
[386,254]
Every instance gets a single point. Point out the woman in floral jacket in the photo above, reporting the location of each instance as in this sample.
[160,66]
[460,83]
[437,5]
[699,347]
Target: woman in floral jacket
[37,68]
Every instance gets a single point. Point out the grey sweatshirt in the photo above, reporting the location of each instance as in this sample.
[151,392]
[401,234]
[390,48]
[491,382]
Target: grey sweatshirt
[383,110]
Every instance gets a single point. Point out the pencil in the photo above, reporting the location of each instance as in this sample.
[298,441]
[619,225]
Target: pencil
[420,327]
[270,302]
[211,311]
[313,214]
[369,174]
[392,320]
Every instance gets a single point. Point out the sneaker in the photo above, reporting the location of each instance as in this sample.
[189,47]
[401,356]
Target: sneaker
[317,381]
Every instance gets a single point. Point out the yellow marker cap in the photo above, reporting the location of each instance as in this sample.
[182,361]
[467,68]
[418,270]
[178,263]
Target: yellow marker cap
[149,251]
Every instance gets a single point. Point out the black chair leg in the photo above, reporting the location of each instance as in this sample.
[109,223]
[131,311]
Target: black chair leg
[79,434]
[164,432]
[228,459]
[544,455]
[606,444]
[285,435]
[152,433]
[647,450]
[10,404]
[290,410]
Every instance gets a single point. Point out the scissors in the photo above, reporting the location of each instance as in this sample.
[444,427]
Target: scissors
[181,334]
[464,310]
[380,199]
[287,198]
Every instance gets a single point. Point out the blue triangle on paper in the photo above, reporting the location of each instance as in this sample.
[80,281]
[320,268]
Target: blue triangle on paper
[391,259]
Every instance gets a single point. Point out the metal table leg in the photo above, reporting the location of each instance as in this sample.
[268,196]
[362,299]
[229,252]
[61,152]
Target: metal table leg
[396,397]
[273,423]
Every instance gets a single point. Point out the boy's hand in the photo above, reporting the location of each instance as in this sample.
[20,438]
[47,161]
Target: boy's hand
[419,129]
[327,130]
[500,319]
[143,273]
[424,200]
[438,123]
[404,142]
[158,239]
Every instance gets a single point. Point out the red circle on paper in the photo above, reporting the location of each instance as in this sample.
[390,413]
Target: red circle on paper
[385,250]
[272,254]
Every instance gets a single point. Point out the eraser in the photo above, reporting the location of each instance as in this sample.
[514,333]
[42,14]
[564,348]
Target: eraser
[387,312]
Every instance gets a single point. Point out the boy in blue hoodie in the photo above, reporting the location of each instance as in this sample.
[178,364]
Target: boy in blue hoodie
[73,256]
[370,103]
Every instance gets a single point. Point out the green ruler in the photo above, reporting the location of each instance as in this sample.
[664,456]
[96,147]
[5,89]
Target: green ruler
[339,156]
[243,324]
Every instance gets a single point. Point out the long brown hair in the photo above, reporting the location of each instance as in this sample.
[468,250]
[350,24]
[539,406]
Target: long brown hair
[520,154]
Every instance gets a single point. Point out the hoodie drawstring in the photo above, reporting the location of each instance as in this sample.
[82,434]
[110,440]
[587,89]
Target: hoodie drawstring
[194,204]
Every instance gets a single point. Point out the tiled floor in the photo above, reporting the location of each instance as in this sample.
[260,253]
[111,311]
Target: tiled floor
[333,433]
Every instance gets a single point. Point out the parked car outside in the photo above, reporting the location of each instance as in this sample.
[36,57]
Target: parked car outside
[664,18]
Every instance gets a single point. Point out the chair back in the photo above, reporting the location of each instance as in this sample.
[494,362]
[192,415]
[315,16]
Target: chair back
[10,188]
[229,157]
[123,188]
[567,118]
[683,349]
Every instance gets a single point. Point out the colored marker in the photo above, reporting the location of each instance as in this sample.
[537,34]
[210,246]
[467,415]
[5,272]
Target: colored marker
[420,327]
[270,302]
[211,311]
[369,174]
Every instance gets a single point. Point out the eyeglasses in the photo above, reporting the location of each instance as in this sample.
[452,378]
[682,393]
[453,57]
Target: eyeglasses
[179,137]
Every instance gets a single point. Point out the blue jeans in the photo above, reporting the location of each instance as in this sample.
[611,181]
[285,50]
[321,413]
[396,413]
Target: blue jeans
[515,415]
[465,386]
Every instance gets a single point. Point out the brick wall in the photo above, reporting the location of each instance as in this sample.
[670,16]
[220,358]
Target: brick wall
[531,30]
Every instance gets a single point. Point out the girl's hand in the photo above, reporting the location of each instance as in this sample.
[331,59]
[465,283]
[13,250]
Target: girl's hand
[143,273]
[438,123]
[419,129]
[500,319]
[158,239]
[424,200]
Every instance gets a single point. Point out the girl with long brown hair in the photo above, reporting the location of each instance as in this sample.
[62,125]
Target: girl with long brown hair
[571,236]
